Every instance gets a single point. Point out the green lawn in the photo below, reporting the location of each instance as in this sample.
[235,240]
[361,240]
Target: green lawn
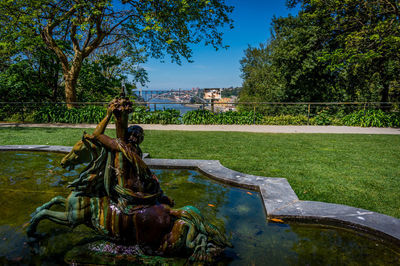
[357,170]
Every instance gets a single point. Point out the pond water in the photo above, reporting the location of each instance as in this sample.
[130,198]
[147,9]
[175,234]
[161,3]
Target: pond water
[28,179]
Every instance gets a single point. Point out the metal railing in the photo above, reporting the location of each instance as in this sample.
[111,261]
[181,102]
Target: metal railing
[308,109]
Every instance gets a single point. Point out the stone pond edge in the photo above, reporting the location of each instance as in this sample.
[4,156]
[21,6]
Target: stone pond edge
[279,199]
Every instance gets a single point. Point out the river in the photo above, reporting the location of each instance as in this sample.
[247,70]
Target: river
[163,103]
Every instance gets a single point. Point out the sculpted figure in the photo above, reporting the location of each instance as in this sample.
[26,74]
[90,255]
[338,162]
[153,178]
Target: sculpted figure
[129,181]
[118,196]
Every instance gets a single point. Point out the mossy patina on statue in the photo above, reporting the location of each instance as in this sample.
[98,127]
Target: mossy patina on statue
[135,181]
[118,196]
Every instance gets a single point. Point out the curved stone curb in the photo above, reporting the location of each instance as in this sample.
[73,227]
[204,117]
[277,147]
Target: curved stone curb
[48,148]
[280,201]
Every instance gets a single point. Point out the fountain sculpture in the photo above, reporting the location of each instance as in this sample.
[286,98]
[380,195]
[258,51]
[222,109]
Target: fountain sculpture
[117,195]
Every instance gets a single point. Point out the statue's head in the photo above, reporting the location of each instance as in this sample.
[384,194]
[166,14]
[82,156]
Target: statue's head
[79,154]
[135,134]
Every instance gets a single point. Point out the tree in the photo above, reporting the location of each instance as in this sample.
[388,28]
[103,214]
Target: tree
[297,44]
[259,77]
[368,32]
[229,92]
[330,51]
[102,78]
[32,76]
[157,26]
[119,62]
[287,67]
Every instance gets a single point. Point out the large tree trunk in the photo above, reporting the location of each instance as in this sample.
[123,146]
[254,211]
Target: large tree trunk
[70,90]
[72,68]
[71,79]
[82,50]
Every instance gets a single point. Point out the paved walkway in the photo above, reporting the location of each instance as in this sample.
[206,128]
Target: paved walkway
[237,128]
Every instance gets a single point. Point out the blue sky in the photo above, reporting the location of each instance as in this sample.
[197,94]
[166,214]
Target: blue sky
[220,69]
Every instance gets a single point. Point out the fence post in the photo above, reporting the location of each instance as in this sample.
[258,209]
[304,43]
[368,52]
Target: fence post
[308,114]
[254,114]
[23,113]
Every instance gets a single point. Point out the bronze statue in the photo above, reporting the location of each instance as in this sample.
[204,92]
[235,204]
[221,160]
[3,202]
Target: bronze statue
[131,180]
[118,196]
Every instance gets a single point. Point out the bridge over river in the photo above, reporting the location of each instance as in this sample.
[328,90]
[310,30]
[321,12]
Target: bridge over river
[173,95]
[171,99]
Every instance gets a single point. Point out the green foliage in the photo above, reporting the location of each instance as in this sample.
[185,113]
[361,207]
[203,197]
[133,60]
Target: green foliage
[76,29]
[238,118]
[329,51]
[322,118]
[141,115]
[61,114]
[198,117]
[366,58]
[228,92]
[261,82]
[286,69]
[97,84]
[367,118]
[138,115]
[37,78]
[372,118]
[34,78]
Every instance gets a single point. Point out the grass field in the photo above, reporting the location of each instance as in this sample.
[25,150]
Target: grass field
[357,170]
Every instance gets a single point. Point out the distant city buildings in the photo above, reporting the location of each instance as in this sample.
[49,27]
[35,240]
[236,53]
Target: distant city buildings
[225,104]
[212,94]
[223,98]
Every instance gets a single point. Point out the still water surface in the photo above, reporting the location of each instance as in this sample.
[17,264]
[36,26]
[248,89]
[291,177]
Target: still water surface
[28,179]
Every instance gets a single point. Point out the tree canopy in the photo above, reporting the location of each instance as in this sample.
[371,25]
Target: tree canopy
[330,51]
[74,29]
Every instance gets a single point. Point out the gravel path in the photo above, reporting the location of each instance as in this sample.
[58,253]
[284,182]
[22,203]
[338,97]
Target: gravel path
[237,128]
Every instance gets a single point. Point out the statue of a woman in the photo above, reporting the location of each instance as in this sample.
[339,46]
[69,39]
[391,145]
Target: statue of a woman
[134,183]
